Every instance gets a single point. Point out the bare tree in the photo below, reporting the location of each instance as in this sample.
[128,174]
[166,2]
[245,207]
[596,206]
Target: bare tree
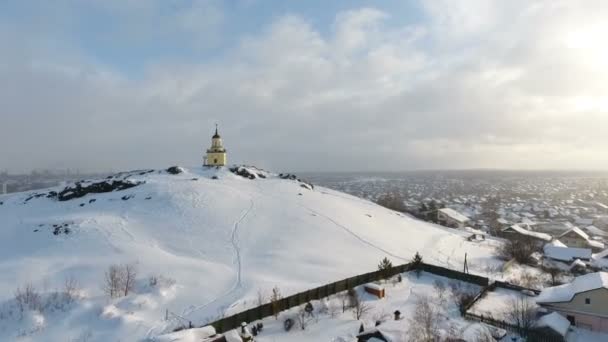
[521,313]
[424,324]
[303,318]
[260,298]
[440,288]
[70,289]
[28,298]
[463,296]
[360,308]
[274,300]
[555,273]
[112,281]
[129,273]
[519,249]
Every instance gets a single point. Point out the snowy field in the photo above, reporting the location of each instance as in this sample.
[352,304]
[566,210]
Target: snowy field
[499,303]
[215,239]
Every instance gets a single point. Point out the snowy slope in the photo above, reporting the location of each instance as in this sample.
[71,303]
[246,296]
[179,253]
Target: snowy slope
[222,240]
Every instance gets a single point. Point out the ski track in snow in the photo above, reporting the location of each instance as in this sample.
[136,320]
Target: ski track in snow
[358,237]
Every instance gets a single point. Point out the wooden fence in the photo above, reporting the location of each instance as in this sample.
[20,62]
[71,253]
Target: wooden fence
[269,309]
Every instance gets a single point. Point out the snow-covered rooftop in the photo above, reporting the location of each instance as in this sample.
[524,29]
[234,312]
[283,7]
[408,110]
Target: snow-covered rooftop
[555,321]
[601,254]
[565,293]
[454,214]
[577,231]
[566,253]
[519,229]
[593,230]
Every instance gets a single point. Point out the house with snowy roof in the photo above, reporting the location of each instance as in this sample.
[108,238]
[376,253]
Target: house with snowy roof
[451,218]
[554,325]
[517,231]
[584,301]
[577,238]
[566,254]
[595,231]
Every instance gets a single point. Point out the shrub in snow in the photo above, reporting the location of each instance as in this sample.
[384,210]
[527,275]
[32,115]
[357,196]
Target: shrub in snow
[160,281]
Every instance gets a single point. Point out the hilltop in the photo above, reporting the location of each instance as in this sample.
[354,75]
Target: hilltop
[204,242]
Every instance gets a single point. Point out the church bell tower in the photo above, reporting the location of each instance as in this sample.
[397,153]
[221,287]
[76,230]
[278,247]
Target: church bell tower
[216,155]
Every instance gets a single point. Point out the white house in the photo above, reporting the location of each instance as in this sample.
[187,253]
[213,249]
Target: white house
[584,301]
[575,237]
[519,231]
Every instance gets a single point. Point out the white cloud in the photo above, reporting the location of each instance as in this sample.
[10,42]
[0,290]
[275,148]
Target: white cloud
[480,84]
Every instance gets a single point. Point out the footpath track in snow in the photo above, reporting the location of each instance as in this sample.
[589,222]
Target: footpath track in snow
[234,240]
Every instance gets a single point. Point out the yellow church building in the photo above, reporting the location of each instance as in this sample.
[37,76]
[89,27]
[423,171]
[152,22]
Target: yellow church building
[216,155]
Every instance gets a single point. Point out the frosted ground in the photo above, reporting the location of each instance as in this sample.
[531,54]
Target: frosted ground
[216,241]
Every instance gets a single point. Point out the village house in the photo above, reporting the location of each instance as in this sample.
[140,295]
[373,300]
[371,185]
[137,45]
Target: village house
[577,238]
[517,231]
[451,218]
[584,301]
[566,254]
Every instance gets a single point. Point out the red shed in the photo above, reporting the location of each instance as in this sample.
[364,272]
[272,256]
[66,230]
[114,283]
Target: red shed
[374,289]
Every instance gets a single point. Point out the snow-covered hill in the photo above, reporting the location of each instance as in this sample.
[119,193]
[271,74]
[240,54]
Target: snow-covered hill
[216,237]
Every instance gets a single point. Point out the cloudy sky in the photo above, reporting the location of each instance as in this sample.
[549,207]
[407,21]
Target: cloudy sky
[304,85]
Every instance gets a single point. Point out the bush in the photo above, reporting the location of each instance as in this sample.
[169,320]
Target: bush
[28,298]
[519,249]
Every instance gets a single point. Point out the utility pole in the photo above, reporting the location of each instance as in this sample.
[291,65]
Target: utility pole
[466,266]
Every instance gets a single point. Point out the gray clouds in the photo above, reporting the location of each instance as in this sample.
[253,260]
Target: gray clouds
[477,84]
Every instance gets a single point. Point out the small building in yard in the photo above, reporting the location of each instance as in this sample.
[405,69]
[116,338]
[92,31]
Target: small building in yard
[374,289]
[451,218]
[584,301]
[577,238]
[476,235]
[566,254]
[517,231]
[554,325]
